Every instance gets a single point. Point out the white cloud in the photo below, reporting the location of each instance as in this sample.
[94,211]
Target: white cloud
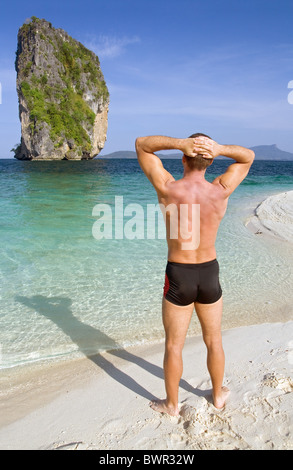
[110,46]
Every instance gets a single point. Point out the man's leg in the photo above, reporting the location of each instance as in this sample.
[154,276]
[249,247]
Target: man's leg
[176,321]
[210,317]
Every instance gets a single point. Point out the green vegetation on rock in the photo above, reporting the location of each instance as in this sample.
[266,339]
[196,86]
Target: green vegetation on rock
[63,110]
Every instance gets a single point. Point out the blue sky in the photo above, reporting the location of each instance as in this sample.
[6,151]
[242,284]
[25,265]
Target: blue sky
[174,67]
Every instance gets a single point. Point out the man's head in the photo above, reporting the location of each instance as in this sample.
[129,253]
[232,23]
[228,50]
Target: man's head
[198,163]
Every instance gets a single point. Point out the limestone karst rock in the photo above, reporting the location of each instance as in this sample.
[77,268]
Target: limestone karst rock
[63,97]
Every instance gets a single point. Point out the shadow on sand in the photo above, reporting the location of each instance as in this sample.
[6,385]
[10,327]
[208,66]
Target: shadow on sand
[58,310]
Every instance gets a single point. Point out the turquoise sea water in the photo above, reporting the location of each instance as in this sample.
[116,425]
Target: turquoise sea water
[65,294]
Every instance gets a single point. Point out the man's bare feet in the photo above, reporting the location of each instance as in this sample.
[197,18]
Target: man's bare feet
[161,407]
[220,401]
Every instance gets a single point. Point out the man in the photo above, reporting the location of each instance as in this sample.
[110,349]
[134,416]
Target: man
[192,274]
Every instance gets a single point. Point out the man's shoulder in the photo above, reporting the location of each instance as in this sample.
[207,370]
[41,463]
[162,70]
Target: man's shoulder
[219,188]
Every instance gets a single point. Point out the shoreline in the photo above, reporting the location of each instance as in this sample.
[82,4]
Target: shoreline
[102,403]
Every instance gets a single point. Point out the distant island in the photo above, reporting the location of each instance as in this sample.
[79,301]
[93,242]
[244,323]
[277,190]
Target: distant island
[262,152]
[271,152]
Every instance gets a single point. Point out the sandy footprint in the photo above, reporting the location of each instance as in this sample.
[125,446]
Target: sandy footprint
[283,383]
[114,425]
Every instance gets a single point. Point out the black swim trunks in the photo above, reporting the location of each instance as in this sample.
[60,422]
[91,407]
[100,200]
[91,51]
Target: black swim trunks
[189,283]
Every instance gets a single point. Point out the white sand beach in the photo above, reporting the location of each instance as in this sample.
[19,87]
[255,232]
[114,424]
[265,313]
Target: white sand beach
[102,402]
[274,217]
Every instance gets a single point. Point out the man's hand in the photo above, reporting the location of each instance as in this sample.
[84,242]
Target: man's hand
[188,147]
[206,147]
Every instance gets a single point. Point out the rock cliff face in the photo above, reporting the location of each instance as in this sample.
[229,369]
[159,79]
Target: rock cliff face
[63,97]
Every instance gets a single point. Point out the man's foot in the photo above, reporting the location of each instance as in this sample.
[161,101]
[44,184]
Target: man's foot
[161,407]
[220,401]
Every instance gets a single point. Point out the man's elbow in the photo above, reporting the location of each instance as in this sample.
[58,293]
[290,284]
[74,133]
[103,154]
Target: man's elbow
[138,145]
[252,155]
[138,142]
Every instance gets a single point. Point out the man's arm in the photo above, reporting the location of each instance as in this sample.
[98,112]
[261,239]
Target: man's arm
[236,172]
[152,165]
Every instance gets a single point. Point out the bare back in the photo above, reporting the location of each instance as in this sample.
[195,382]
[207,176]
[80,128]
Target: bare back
[193,190]
[212,206]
